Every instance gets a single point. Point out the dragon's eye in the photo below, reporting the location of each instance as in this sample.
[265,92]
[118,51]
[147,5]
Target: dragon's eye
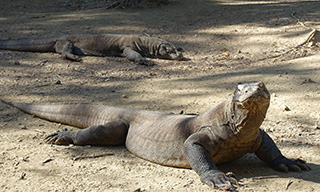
[169,50]
[260,84]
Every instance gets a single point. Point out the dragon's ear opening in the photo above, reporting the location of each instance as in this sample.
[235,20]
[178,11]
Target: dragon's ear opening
[180,49]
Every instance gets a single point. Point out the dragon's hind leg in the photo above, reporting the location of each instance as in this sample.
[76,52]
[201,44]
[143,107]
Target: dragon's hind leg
[111,133]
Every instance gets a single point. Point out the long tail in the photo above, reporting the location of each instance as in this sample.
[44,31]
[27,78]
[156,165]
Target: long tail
[31,45]
[78,115]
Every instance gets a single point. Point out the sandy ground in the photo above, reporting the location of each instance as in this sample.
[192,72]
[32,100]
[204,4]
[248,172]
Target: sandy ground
[226,42]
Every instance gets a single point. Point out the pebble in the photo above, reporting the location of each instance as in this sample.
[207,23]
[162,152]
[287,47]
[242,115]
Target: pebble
[43,62]
[22,175]
[285,108]
[58,82]
[24,127]
[16,63]
[139,190]
[124,96]
[46,161]
[271,129]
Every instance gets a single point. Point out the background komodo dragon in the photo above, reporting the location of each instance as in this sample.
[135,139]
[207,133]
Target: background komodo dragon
[222,134]
[135,48]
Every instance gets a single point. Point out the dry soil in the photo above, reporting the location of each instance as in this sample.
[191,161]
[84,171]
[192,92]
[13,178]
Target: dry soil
[226,41]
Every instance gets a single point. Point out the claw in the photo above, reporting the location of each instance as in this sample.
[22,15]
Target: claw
[52,137]
[302,164]
[233,179]
[295,168]
[59,138]
[281,163]
[225,187]
[145,62]
[219,180]
[283,167]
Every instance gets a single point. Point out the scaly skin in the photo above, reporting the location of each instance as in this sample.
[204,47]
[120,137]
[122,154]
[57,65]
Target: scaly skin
[134,48]
[222,134]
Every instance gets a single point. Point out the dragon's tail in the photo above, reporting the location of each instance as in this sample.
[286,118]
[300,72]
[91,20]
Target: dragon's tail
[31,45]
[78,115]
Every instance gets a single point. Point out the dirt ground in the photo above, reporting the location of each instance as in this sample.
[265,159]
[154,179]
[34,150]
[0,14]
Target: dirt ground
[227,41]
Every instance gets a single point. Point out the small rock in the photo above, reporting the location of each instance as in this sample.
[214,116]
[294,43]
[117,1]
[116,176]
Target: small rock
[317,127]
[25,159]
[46,161]
[58,82]
[274,95]
[124,96]
[43,62]
[139,190]
[269,129]
[24,127]
[82,166]
[22,175]
[285,108]
[225,54]
[309,80]
[16,63]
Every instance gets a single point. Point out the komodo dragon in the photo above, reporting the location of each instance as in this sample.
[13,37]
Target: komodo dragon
[135,48]
[222,134]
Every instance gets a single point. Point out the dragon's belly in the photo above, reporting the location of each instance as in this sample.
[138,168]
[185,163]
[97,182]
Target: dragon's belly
[159,141]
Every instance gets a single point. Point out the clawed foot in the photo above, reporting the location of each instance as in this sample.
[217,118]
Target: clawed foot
[220,181]
[146,62]
[60,138]
[71,57]
[283,164]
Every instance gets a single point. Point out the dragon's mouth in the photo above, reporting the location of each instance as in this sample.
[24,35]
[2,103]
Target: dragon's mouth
[254,100]
[174,55]
[179,57]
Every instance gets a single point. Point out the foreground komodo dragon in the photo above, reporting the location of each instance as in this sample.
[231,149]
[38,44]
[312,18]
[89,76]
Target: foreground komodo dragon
[135,48]
[222,134]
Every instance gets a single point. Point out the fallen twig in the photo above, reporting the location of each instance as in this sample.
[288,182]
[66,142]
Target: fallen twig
[266,177]
[311,35]
[288,185]
[292,12]
[92,156]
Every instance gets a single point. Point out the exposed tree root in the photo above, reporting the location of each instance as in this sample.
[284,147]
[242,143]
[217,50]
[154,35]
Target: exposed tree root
[313,38]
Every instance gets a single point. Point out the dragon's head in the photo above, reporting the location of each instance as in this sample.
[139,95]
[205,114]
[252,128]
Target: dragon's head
[168,51]
[252,94]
